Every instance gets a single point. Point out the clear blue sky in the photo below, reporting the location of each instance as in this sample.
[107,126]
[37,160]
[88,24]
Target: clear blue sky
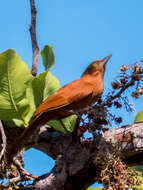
[80,31]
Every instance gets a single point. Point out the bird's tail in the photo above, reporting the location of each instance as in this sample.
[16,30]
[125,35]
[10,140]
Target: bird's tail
[19,141]
[34,124]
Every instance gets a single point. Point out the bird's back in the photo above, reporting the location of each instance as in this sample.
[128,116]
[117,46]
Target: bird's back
[74,96]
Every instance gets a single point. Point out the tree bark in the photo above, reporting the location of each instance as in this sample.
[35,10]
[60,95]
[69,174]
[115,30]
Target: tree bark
[79,162]
[129,140]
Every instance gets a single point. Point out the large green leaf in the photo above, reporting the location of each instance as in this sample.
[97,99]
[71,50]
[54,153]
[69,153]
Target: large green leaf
[139,117]
[41,87]
[48,57]
[14,77]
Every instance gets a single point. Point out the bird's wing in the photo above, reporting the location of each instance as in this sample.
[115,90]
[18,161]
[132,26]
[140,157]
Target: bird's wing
[52,102]
[75,90]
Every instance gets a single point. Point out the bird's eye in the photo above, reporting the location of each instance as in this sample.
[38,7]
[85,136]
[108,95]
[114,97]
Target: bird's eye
[94,64]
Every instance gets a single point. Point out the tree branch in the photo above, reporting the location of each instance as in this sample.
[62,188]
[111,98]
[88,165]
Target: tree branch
[118,94]
[129,140]
[75,158]
[23,173]
[72,167]
[35,47]
[80,165]
[49,141]
[4,141]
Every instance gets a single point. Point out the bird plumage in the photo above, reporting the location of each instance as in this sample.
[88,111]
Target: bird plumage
[72,97]
[77,94]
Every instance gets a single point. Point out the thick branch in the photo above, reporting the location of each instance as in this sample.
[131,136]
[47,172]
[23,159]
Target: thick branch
[49,141]
[129,140]
[79,163]
[33,38]
[72,167]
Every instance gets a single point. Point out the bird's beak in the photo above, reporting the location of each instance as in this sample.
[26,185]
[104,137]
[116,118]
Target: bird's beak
[106,59]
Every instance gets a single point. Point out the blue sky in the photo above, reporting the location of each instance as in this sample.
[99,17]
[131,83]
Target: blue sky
[80,31]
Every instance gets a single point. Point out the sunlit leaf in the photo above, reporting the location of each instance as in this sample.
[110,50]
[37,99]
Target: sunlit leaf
[68,122]
[41,87]
[48,57]
[14,77]
[139,117]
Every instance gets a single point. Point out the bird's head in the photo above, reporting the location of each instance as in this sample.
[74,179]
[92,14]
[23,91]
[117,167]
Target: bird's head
[97,66]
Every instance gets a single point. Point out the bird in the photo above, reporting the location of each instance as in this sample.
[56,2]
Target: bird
[71,98]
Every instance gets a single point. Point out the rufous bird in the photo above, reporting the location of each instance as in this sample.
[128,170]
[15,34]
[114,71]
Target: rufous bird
[73,97]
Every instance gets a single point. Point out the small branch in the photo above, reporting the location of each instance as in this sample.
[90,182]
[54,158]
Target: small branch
[123,89]
[118,94]
[23,173]
[3,136]
[33,38]
[14,180]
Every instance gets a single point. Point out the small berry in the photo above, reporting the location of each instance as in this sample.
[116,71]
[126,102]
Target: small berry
[123,81]
[136,68]
[104,129]
[116,85]
[82,129]
[140,90]
[123,68]
[136,76]
[135,94]
[118,119]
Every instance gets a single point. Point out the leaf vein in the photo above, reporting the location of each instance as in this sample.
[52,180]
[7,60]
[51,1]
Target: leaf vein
[10,91]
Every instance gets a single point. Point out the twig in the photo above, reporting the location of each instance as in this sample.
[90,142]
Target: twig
[14,180]
[23,173]
[35,47]
[3,136]
[130,83]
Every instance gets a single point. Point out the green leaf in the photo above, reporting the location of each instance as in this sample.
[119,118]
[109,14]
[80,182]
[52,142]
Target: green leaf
[139,176]
[52,85]
[69,123]
[138,168]
[41,87]
[48,57]
[14,123]
[14,77]
[139,187]
[139,117]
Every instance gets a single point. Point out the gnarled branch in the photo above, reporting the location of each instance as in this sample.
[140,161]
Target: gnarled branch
[85,160]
